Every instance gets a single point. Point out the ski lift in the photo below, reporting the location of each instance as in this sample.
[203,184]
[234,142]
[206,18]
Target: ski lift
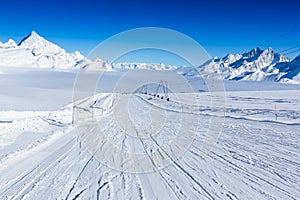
[144,90]
[164,86]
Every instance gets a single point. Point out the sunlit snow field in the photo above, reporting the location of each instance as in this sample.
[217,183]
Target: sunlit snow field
[41,157]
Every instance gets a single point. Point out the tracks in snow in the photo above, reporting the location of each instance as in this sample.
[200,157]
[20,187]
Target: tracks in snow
[249,161]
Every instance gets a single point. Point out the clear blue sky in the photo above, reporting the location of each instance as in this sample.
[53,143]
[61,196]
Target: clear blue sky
[219,26]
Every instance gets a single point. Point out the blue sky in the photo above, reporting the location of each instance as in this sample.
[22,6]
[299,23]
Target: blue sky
[221,27]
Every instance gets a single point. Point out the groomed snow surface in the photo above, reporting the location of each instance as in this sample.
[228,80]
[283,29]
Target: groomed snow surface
[255,157]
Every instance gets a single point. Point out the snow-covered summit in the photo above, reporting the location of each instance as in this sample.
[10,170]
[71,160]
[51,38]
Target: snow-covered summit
[35,51]
[39,45]
[256,64]
[9,44]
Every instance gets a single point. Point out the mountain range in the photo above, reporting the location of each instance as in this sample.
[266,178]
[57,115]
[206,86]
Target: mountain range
[256,65]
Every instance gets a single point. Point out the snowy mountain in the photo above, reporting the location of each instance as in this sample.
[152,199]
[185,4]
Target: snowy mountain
[288,72]
[35,51]
[146,66]
[9,44]
[256,65]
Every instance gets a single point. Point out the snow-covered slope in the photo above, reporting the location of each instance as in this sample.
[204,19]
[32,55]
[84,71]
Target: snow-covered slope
[256,157]
[288,71]
[35,51]
[257,65]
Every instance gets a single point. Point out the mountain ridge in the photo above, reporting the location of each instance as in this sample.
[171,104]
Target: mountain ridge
[256,65]
[34,51]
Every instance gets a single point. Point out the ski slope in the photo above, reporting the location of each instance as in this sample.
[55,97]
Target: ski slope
[256,157]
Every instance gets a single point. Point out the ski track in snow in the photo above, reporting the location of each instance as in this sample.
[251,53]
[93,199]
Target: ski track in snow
[251,160]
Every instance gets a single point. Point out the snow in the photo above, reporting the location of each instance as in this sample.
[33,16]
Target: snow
[24,90]
[39,45]
[256,65]
[9,44]
[127,145]
[43,157]
[144,66]
[23,123]
[36,52]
